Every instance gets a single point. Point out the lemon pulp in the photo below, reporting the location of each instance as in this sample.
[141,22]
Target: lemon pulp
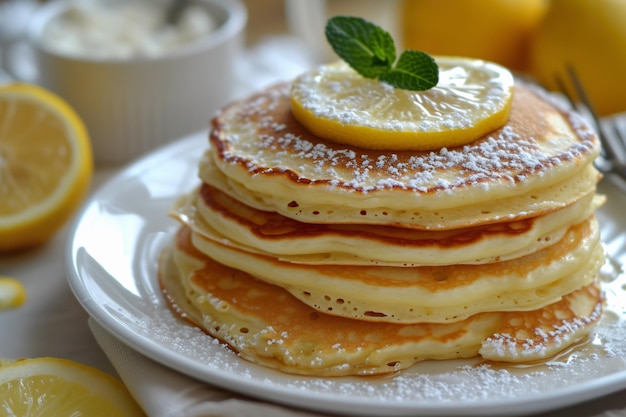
[472,98]
[59,387]
[45,164]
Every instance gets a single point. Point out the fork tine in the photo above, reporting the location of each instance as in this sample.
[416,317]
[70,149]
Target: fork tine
[563,89]
[617,138]
[604,162]
[613,142]
[580,92]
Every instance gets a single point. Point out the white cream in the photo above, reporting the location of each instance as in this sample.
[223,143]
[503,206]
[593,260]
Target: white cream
[124,29]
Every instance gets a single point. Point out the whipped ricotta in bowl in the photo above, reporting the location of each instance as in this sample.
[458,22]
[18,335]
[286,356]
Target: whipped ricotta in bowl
[108,29]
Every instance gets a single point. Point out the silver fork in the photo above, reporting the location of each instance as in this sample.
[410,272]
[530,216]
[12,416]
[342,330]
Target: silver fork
[611,130]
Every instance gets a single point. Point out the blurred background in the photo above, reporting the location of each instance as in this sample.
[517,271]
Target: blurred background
[536,38]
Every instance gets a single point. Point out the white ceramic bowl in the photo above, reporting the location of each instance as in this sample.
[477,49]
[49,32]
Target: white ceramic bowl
[132,105]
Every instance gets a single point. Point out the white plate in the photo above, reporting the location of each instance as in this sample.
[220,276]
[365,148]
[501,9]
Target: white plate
[112,259]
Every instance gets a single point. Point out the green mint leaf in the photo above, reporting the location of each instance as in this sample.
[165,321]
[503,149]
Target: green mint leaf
[371,52]
[415,70]
[363,45]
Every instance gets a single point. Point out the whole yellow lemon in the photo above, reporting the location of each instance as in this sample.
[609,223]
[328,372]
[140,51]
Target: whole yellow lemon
[590,36]
[493,30]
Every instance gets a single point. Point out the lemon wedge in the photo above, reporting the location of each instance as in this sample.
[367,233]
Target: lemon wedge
[472,98]
[60,387]
[45,164]
[12,293]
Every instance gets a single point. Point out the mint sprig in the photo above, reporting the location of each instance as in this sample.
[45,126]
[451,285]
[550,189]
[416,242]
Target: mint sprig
[371,52]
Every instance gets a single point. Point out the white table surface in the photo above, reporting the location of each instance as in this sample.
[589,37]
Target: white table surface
[51,322]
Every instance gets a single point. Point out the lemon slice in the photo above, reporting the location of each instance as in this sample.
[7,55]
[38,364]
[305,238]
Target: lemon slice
[12,293]
[60,387]
[6,361]
[472,98]
[45,164]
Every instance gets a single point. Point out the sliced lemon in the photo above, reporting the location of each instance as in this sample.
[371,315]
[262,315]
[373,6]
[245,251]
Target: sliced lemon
[12,294]
[45,164]
[60,387]
[6,361]
[472,98]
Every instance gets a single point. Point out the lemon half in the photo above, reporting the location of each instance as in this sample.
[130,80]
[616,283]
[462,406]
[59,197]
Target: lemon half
[45,164]
[472,98]
[59,387]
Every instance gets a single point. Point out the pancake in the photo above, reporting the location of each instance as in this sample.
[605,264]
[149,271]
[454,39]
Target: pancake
[428,294]
[213,214]
[323,259]
[539,162]
[265,324]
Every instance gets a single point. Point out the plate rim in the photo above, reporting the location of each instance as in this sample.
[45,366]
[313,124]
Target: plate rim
[546,401]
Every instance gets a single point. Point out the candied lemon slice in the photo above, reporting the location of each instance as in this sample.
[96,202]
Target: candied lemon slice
[12,293]
[60,387]
[45,164]
[472,98]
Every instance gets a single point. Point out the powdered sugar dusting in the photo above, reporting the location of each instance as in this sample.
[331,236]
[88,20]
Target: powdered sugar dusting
[467,91]
[427,384]
[258,137]
[503,345]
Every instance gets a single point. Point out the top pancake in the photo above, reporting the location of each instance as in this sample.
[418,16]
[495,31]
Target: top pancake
[539,162]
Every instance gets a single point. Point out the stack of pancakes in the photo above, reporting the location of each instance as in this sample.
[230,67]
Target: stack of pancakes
[320,259]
